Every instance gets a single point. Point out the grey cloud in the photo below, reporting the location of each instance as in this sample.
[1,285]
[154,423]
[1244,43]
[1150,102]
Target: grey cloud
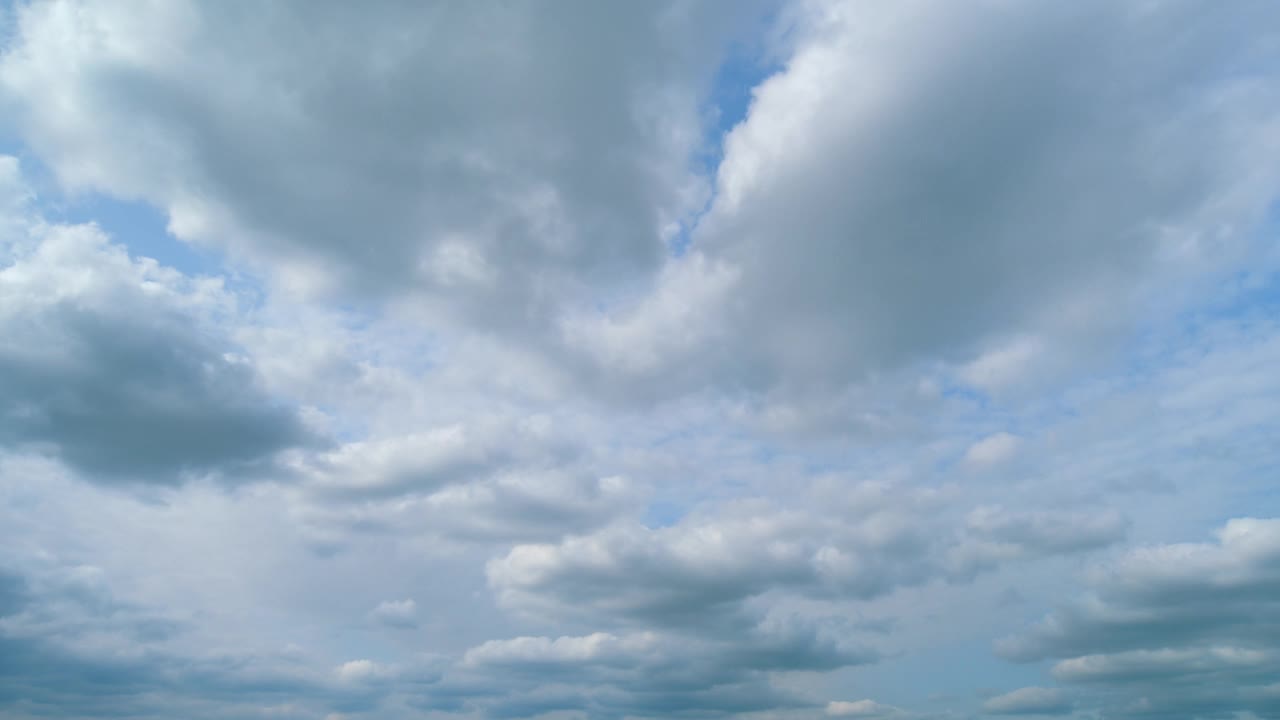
[1184,628]
[995,534]
[517,505]
[928,197]
[996,181]
[397,613]
[498,156]
[70,648]
[701,569]
[110,367]
[655,673]
[702,581]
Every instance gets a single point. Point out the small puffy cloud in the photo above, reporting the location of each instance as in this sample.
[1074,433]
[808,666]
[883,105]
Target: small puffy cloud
[397,613]
[1029,701]
[362,671]
[863,709]
[529,651]
[992,450]
[1003,365]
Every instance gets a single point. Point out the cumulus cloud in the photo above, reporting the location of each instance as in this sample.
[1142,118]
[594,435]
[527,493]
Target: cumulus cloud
[995,534]
[1173,628]
[434,458]
[985,187]
[703,569]
[992,450]
[672,359]
[518,505]
[494,156]
[117,365]
[397,613]
[641,673]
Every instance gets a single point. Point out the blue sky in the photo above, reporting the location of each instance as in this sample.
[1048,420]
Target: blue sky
[771,360]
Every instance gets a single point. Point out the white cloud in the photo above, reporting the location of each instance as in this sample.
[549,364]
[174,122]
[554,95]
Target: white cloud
[397,613]
[1029,701]
[863,709]
[992,450]
[398,153]
[623,423]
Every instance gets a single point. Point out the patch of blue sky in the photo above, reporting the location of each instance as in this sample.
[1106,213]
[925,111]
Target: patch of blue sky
[727,105]
[663,513]
[140,228]
[951,390]
[1229,306]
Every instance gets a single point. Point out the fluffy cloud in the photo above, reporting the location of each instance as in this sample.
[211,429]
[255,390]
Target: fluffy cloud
[522,506]
[116,365]
[488,480]
[701,571]
[678,359]
[979,189]
[642,673]
[992,449]
[397,613]
[503,157]
[434,458]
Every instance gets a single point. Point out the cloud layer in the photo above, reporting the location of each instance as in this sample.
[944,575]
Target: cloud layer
[774,360]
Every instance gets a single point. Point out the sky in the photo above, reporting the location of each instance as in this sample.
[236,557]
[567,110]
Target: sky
[577,360]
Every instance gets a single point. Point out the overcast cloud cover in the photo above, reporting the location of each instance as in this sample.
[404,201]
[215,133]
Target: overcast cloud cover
[772,359]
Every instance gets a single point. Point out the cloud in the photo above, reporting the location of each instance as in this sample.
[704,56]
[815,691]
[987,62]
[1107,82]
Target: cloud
[1179,626]
[992,450]
[69,647]
[986,189]
[521,505]
[1029,701]
[995,534]
[118,366]
[434,458]
[639,361]
[863,709]
[491,157]
[397,613]
[641,673]
[703,569]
